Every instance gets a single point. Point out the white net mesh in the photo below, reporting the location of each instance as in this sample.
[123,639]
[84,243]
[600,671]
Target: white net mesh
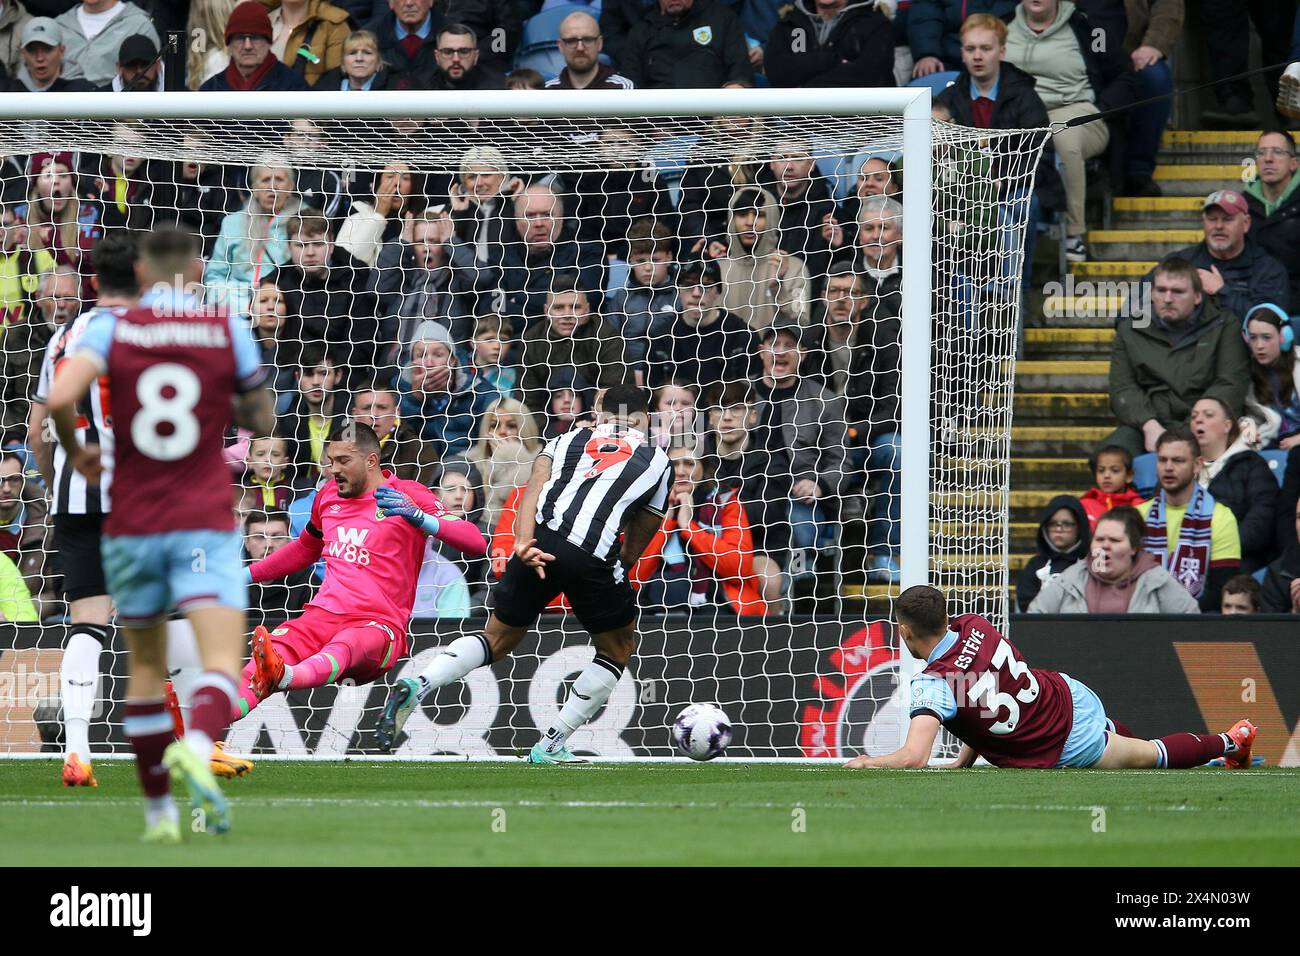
[466,287]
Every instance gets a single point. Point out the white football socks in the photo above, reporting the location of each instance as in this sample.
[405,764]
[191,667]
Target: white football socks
[159,808]
[590,691]
[461,656]
[78,681]
[183,663]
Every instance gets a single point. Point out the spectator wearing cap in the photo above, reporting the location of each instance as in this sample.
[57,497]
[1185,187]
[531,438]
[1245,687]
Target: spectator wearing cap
[93,32]
[1233,268]
[1189,347]
[1273,198]
[573,336]
[439,398]
[687,44]
[703,344]
[580,45]
[13,17]
[457,57]
[45,67]
[802,417]
[407,39]
[253,64]
[139,67]
[308,35]
[831,43]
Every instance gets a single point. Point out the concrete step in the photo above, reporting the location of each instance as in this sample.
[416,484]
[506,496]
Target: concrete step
[1084,375]
[1197,179]
[1039,474]
[1129,244]
[1023,534]
[1122,271]
[1063,342]
[1026,505]
[1088,304]
[1076,408]
[1207,146]
[1066,441]
[1164,212]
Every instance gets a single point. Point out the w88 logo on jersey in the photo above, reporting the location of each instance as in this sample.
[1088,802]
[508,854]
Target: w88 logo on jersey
[350,546]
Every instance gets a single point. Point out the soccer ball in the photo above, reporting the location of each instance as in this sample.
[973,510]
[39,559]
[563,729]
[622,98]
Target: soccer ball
[702,731]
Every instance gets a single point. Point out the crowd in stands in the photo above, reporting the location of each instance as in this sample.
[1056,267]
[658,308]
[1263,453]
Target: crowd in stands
[471,316]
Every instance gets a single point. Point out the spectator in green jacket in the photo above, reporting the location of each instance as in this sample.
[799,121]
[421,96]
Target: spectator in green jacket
[1184,348]
[15,600]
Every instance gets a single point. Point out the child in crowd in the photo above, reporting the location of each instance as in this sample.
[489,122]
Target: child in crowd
[1112,471]
[489,360]
[1064,536]
[268,484]
[1240,596]
[650,299]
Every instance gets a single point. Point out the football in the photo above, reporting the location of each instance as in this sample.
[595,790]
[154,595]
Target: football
[702,731]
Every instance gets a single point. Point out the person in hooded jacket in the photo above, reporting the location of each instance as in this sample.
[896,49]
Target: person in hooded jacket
[841,44]
[758,278]
[1063,540]
[1117,577]
[1238,477]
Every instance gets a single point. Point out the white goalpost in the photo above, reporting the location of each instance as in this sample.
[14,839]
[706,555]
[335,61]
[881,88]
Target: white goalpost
[680,222]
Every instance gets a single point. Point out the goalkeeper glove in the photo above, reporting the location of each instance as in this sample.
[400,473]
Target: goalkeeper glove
[393,503]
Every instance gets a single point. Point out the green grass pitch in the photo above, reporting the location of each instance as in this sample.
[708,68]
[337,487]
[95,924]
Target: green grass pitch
[661,814]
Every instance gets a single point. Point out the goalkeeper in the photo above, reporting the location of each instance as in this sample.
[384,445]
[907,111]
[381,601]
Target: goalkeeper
[355,627]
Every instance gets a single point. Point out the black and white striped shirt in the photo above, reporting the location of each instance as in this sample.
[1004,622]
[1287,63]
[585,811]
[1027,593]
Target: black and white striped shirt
[71,494]
[599,477]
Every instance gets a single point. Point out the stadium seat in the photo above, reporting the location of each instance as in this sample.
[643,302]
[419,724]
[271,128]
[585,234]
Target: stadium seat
[937,82]
[1261,574]
[1144,474]
[546,60]
[1276,458]
[544,29]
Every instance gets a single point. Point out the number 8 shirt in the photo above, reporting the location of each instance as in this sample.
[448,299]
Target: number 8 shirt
[173,367]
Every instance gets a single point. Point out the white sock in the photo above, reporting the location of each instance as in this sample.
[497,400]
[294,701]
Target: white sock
[590,691]
[200,743]
[461,656]
[287,678]
[183,663]
[159,808]
[78,681]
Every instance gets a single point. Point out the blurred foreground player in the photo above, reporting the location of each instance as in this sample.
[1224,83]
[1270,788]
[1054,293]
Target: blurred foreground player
[176,372]
[977,686]
[355,627]
[587,486]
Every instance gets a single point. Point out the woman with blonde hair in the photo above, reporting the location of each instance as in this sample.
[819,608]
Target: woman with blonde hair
[253,241]
[206,32]
[508,442]
[363,67]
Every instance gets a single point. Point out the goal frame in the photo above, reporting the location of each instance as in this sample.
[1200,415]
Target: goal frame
[911,104]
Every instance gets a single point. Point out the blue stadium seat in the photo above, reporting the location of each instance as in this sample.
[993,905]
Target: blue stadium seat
[546,60]
[544,29]
[1261,574]
[1276,458]
[1144,474]
[937,82]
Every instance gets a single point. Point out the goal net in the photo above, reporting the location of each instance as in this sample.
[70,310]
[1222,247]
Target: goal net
[819,295]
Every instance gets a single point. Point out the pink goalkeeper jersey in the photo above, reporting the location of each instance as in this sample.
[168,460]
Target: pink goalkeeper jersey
[372,564]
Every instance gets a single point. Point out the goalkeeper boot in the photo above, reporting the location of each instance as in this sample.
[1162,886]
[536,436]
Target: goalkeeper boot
[78,773]
[401,703]
[227,765]
[1243,734]
[540,755]
[189,768]
[268,666]
[164,831]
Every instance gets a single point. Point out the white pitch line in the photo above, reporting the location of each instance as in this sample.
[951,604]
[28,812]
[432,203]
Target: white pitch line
[609,805]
